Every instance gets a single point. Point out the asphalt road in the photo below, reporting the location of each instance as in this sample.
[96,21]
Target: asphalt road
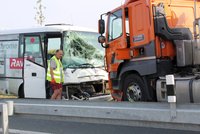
[62,127]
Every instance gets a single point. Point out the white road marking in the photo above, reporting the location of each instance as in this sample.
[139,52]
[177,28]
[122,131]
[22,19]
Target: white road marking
[15,131]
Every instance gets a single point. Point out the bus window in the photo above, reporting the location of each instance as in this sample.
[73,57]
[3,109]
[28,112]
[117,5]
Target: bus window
[8,54]
[33,50]
[53,45]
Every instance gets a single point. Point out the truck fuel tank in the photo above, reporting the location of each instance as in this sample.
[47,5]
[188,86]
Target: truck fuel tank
[187,52]
[187,89]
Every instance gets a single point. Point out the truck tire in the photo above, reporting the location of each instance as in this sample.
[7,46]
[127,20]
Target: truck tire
[133,88]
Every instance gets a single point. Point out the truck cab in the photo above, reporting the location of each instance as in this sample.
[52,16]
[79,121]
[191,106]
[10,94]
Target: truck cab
[146,40]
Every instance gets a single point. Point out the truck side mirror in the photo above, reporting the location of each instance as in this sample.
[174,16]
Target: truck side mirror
[101,39]
[101,26]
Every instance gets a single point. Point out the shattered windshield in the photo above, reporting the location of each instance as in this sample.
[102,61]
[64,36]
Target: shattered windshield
[81,49]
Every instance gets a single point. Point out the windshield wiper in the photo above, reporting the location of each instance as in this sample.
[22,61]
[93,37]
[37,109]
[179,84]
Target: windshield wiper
[70,66]
[85,65]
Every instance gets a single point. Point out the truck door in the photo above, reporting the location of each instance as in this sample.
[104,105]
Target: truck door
[140,24]
[34,73]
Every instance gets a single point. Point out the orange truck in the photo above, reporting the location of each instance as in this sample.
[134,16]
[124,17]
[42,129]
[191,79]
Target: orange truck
[144,41]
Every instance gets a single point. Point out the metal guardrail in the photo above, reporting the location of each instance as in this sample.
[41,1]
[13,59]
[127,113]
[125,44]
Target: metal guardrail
[156,115]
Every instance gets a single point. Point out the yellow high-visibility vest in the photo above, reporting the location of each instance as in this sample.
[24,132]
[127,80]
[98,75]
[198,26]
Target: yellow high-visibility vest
[56,73]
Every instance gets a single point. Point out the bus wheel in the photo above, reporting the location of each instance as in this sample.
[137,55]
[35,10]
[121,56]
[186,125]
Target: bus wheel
[21,91]
[133,88]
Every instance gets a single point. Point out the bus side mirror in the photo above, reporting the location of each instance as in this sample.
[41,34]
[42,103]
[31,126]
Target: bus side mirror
[101,26]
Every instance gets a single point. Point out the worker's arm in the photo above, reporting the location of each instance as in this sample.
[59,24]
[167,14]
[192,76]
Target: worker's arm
[51,72]
[52,67]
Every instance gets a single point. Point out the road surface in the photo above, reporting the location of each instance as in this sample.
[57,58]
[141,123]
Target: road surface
[28,125]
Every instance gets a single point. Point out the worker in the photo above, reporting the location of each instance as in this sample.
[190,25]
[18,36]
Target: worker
[55,74]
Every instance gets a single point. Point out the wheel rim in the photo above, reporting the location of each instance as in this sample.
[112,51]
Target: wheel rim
[134,92]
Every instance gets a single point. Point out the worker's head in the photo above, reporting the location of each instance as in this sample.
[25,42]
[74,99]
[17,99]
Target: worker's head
[59,54]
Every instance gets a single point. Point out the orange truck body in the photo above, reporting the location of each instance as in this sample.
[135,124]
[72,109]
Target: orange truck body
[148,31]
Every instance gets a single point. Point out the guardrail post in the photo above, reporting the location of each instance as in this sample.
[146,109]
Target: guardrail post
[10,107]
[4,117]
[170,82]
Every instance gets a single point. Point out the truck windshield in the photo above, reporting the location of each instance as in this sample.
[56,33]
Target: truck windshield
[82,48]
[115,25]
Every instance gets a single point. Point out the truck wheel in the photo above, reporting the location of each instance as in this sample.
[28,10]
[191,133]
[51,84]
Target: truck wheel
[133,88]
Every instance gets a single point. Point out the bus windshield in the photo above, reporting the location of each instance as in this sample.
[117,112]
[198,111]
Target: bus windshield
[81,49]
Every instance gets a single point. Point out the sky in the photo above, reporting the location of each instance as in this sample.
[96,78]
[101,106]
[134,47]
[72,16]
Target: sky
[20,13]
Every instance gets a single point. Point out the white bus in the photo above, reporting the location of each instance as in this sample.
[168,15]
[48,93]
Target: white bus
[24,55]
